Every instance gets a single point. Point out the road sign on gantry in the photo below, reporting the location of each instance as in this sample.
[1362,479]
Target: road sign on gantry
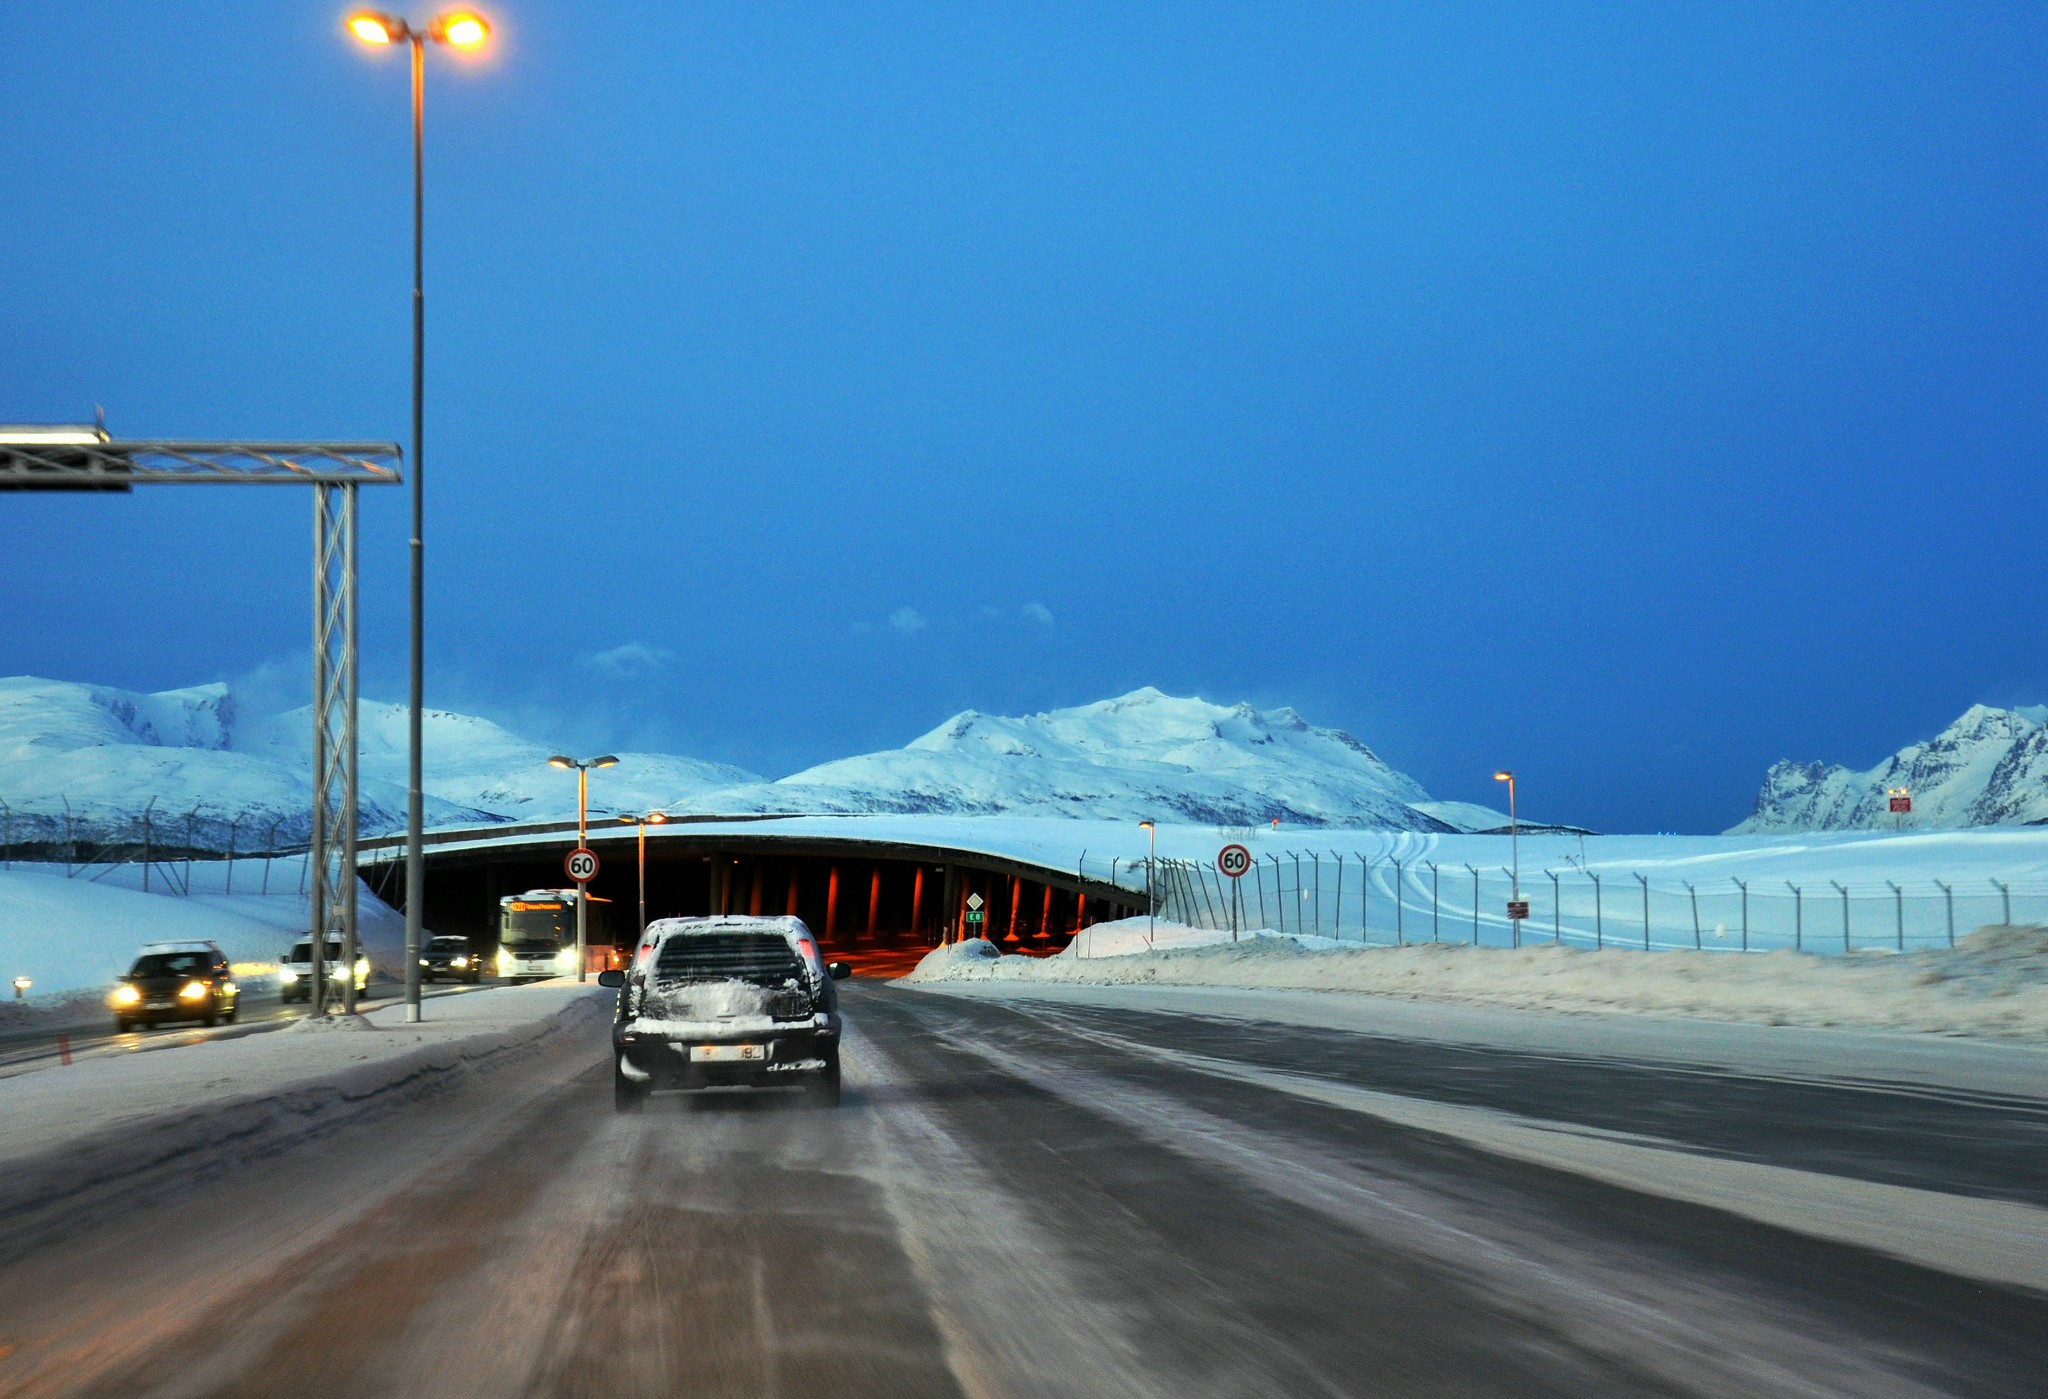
[1234,860]
[581,865]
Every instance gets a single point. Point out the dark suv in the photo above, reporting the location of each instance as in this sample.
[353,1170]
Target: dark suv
[176,981]
[450,957]
[725,1002]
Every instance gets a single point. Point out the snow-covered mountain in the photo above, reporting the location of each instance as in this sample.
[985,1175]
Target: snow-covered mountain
[1143,754]
[1988,768]
[108,752]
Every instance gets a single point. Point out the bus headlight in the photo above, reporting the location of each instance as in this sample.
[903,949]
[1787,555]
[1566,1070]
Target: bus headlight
[505,963]
[565,960]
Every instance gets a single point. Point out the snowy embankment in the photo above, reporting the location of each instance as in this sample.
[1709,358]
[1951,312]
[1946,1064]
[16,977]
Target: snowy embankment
[1994,982]
[72,937]
[79,1135]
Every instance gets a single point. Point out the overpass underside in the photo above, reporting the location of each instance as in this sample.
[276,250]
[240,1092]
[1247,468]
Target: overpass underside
[857,896]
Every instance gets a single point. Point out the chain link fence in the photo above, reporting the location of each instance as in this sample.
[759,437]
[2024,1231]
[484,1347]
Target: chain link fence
[1349,897]
[172,849]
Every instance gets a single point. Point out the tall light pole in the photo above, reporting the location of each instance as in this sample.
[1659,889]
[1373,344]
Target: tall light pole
[1153,831]
[644,820]
[582,767]
[1514,832]
[468,31]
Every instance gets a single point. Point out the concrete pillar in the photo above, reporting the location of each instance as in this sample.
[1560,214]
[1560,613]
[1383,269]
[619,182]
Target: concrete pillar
[1045,917]
[917,904]
[832,904]
[790,907]
[947,901]
[714,874]
[1016,893]
[755,890]
[874,899]
[1080,912]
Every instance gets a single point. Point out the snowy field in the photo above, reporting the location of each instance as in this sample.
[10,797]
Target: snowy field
[1993,983]
[73,936]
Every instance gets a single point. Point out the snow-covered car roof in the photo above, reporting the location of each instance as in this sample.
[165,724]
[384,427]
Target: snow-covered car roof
[182,945]
[792,930]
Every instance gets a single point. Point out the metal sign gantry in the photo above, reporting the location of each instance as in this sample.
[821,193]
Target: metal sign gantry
[71,458]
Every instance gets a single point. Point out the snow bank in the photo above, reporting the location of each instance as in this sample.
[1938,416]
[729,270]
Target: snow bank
[1994,982]
[80,1135]
[72,936]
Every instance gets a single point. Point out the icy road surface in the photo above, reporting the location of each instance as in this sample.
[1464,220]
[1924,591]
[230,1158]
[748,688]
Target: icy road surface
[1058,1197]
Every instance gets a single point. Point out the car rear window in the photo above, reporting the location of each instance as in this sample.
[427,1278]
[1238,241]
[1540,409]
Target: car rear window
[172,964]
[766,959]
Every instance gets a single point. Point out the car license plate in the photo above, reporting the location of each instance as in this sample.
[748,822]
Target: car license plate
[158,1005]
[722,1053]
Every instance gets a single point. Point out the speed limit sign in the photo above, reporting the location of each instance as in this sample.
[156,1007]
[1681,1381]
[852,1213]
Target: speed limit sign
[582,865]
[1234,860]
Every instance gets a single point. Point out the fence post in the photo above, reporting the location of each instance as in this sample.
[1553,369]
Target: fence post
[1743,885]
[1337,923]
[1556,909]
[1798,917]
[70,844]
[7,839]
[1400,927]
[1436,884]
[1695,894]
[1316,862]
[1845,913]
[1899,914]
[1599,924]
[2005,893]
[1259,882]
[190,817]
[1279,903]
[147,817]
[1475,905]
[269,852]
[1948,894]
[1646,909]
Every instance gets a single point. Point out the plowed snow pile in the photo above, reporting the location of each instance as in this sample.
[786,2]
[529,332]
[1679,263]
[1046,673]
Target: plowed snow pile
[1994,982]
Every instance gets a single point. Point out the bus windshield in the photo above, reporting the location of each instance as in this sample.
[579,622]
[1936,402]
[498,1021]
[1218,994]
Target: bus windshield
[537,923]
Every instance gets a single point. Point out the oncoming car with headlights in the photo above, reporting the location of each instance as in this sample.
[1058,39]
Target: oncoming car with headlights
[725,1002]
[451,957]
[176,981]
[295,971]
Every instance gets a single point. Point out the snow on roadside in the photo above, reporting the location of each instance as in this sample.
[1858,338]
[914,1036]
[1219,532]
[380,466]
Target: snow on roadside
[1994,982]
[73,937]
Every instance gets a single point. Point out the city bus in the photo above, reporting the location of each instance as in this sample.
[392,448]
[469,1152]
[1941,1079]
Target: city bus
[537,933]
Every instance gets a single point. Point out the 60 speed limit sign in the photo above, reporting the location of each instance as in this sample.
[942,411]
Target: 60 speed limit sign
[1234,860]
[582,865]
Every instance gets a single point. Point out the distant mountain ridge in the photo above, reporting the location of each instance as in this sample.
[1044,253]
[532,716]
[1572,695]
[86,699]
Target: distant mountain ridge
[1144,754]
[108,752]
[1988,768]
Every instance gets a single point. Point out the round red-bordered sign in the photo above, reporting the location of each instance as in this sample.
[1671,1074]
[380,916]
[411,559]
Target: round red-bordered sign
[581,865]
[1234,860]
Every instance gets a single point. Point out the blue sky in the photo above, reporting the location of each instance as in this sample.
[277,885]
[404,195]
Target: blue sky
[1633,395]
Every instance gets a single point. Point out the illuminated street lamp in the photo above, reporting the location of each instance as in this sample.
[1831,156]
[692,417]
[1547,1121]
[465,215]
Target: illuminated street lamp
[644,820]
[1514,833]
[21,985]
[467,31]
[1152,831]
[582,767]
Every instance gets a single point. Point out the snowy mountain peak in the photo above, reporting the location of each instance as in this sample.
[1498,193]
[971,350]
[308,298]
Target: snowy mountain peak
[1141,754]
[1988,768]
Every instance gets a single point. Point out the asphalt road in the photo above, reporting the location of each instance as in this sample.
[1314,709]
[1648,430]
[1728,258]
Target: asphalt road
[1030,1199]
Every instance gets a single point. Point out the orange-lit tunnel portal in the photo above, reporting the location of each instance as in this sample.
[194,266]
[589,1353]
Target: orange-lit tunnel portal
[878,904]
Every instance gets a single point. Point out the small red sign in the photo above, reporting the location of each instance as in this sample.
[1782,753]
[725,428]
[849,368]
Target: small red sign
[1902,804]
[581,865]
[1518,908]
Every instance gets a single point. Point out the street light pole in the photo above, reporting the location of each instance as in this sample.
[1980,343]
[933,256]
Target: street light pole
[465,30]
[1514,832]
[1151,830]
[644,820]
[582,767]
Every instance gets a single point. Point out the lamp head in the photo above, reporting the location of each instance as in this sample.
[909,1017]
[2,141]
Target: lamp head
[461,29]
[656,818]
[1503,776]
[558,761]
[1147,826]
[608,760]
[376,27]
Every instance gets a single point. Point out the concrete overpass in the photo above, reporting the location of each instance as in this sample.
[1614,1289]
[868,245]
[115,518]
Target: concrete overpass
[860,882]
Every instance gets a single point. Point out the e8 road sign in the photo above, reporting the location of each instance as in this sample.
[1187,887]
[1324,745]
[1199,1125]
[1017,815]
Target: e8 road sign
[1234,860]
[581,865]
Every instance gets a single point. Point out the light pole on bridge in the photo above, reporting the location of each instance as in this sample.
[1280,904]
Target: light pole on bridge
[582,767]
